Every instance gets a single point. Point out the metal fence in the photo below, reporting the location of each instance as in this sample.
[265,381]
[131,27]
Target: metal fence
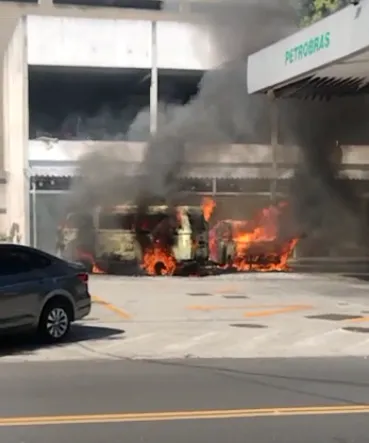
[47,209]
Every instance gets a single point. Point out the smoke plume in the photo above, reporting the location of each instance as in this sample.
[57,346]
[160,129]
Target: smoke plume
[322,201]
[222,112]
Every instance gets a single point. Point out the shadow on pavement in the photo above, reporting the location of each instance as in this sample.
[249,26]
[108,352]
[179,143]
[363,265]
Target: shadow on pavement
[288,383]
[26,344]
[358,276]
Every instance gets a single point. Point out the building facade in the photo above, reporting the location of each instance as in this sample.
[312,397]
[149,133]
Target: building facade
[55,44]
[50,36]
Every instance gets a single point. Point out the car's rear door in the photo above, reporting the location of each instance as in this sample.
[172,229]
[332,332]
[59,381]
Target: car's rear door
[22,281]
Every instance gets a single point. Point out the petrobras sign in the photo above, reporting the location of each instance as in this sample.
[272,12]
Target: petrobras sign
[307,48]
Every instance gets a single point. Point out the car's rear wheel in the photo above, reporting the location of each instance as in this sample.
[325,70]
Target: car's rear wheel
[55,321]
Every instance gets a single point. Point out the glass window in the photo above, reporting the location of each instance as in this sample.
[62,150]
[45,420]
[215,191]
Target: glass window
[75,221]
[143,222]
[116,221]
[16,261]
[132,4]
[197,221]
[19,1]
[148,222]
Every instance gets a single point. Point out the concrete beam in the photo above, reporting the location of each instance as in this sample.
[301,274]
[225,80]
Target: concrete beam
[46,7]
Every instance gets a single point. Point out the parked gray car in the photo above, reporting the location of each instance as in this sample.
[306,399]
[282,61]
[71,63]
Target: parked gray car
[40,292]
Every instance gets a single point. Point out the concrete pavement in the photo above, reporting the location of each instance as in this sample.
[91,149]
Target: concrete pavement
[51,391]
[236,316]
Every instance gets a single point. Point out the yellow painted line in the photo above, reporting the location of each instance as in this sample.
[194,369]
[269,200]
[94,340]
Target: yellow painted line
[120,311]
[230,307]
[358,320]
[224,307]
[269,312]
[183,415]
[214,307]
[227,290]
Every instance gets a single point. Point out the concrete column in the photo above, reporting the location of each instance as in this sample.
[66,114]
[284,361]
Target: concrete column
[14,132]
[274,144]
[46,3]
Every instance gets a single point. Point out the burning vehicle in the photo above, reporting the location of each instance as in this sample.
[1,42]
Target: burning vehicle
[159,240]
[254,245]
[163,240]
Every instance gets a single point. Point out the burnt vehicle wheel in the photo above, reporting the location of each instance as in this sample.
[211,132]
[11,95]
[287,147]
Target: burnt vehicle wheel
[55,321]
[160,268]
[223,255]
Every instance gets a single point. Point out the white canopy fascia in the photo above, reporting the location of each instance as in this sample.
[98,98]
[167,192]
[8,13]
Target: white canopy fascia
[332,53]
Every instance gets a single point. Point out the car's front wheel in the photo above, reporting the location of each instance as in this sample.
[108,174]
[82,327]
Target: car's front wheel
[55,321]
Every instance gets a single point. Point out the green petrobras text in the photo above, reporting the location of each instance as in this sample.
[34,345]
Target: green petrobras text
[308,48]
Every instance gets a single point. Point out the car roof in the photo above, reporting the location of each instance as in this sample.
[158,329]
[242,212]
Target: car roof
[16,245]
[8,245]
[26,248]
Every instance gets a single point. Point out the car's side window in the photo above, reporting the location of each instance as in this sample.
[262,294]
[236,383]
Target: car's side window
[11,264]
[36,261]
[14,262]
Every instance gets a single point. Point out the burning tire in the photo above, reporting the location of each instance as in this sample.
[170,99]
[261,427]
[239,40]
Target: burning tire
[223,254]
[226,253]
[160,268]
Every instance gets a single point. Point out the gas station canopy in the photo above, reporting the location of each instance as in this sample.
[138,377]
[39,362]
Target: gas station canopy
[328,58]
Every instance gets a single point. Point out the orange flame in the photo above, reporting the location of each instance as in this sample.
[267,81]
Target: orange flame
[82,255]
[158,261]
[208,206]
[96,269]
[256,243]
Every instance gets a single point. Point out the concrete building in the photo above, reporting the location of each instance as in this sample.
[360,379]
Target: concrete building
[57,56]
[41,41]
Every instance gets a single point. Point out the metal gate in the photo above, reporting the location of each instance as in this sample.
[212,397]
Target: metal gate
[47,210]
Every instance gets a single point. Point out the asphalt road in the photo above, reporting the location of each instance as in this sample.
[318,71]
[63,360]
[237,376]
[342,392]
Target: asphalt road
[186,401]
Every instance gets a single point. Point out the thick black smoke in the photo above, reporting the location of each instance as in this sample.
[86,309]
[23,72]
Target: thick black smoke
[221,113]
[323,198]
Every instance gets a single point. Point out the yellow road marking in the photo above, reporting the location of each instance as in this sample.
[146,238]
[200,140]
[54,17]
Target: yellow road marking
[358,320]
[230,307]
[121,312]
[227,290]
[269,312]
[183,415]
[225,307]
